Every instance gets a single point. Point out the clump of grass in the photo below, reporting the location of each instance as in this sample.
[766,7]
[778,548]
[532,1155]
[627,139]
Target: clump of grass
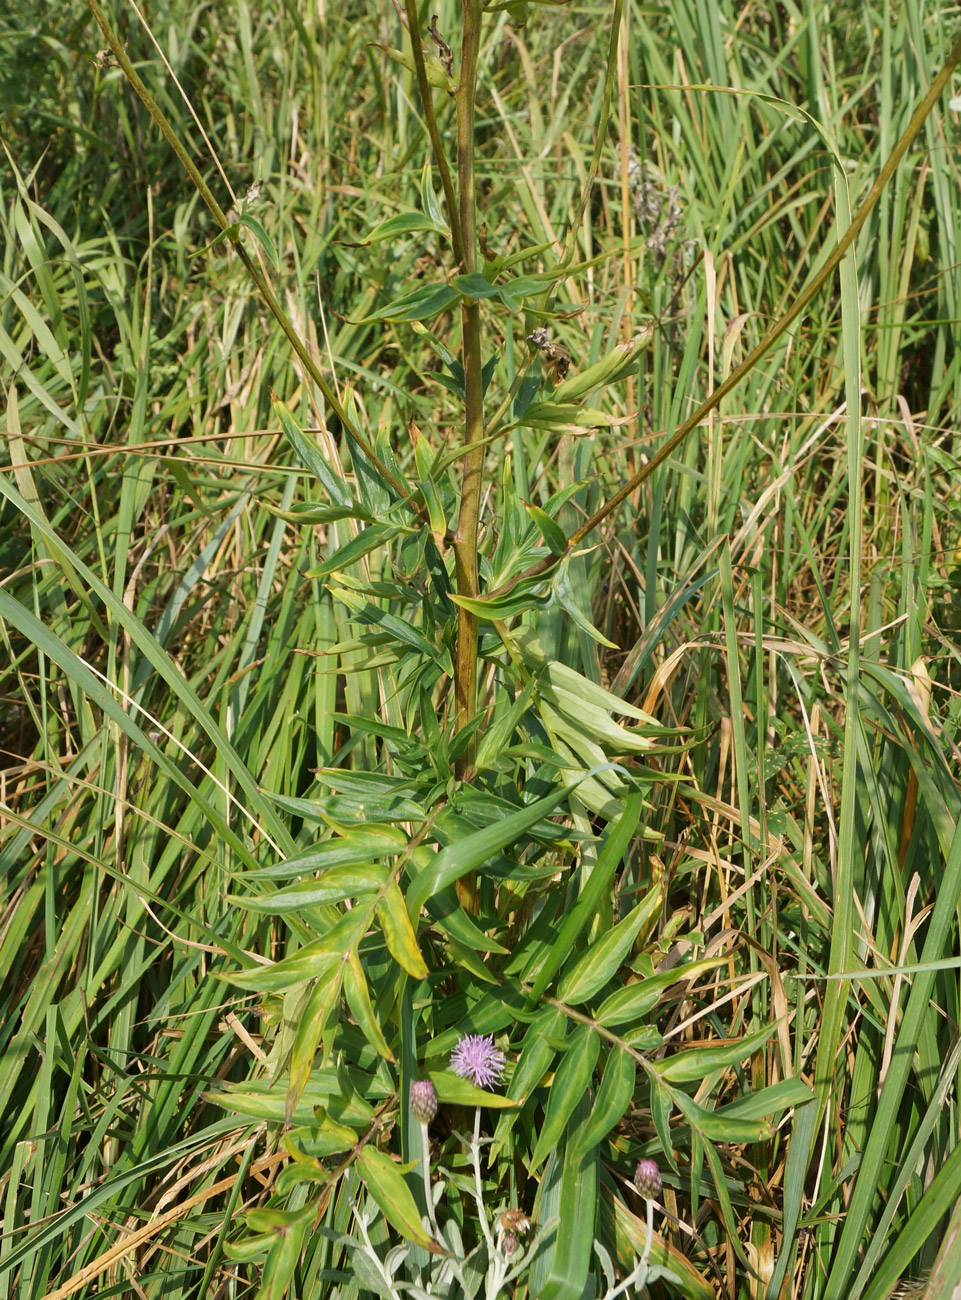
[327,746]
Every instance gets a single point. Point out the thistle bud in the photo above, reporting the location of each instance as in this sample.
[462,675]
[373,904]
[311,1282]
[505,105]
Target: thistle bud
[423,1100]
[647,1179]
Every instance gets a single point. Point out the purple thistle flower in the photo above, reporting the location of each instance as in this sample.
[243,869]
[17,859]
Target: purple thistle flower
[476,1058]
[647,1179]
[423,1100]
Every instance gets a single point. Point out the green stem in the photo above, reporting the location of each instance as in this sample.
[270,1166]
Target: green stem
[427,100]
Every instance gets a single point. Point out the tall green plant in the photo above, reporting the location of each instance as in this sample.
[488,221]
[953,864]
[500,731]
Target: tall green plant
[387,855]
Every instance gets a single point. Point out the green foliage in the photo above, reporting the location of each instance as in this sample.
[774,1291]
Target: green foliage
[293,800]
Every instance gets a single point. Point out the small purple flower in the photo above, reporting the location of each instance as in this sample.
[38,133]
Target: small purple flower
[476,1058]
[647,1179]
[423,1100]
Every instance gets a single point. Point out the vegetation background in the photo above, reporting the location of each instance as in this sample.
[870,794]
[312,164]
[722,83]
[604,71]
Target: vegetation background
[258,871]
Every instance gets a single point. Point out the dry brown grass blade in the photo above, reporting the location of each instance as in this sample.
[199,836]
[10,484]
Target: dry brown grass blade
[134,1239]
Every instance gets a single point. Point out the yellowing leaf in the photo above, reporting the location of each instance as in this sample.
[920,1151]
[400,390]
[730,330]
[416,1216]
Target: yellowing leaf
[399,933]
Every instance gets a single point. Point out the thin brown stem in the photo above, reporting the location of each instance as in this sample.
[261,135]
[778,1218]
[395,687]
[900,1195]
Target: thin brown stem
[465,538]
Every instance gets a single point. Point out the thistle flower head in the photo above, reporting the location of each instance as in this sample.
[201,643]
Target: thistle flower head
[476,1058]
[647,1179]
[423,1100]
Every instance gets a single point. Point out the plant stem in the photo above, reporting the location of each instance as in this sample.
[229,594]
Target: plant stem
[430,117]
[465,538]
[425,1164]
[638,1275]
[478,1185]
[375,1259]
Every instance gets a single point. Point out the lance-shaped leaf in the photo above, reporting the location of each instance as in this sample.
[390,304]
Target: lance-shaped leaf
[615,845]
[358,999]
[470,853]
[335,886]
[421,304]
[626,1006]
[618,364]
[309,962]
[552,532]
[696,1062]
[370,539]
[569,1191]
[598,965]
[312,457]
[571,1082]
[399,933]
[565,415]
[322,1004]
[385,1182]
[612,1102]
[455,1091]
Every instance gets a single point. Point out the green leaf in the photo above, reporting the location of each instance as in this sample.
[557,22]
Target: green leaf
[358,999]
[612,1102]
[570,1085]
[369,539]
[260,234]
[551,532]
[421,304]
[345,849]
[697,1062]
[322,1004]
[399,628]
[312,457]
[398,932]
[246,1249]
[619,363]
[386,1184]
[499,608]
[616,843]
[570,601]
[569,1190]
[722,1128]
[325,1090]
[404,223]
[437,74]
[309,962]
[538,1049]
[452,1090]
[598,965]
[565,415]
[774,1100]
[429,199]
[472,852]
[335,886]
[474,286]
[627,1005]
[307,513]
